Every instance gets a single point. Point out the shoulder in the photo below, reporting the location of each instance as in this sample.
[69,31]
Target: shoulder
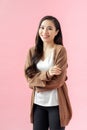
[60,53]
[31,50]
[30,53]
[60,49]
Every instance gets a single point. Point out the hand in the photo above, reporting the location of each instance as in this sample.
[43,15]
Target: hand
[55,70]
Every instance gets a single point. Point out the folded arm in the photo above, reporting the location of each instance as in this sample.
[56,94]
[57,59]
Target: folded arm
[42,80]
[58,80]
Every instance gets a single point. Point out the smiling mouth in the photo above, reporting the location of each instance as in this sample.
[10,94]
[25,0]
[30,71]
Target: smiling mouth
[45,36]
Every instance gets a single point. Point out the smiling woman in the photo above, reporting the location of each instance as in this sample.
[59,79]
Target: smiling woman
[45,70]
[47,31]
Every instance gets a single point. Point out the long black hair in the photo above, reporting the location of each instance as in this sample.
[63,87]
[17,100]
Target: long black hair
[32,70]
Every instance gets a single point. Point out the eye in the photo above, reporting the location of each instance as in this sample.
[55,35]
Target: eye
[49,28]
[41,27]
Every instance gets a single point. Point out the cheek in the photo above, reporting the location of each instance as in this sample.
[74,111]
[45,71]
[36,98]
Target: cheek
[53,34]
[39,32]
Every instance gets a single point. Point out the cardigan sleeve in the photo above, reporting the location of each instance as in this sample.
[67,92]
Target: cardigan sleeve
[40,78]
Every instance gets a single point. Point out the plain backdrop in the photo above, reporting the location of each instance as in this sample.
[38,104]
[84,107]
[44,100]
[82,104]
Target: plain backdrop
[19,21]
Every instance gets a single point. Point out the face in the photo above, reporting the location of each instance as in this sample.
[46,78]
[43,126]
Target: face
[47,31]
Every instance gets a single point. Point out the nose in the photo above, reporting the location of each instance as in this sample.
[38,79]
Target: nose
[45,30]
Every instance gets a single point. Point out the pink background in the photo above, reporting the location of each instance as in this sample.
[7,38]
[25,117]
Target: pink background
[18,25]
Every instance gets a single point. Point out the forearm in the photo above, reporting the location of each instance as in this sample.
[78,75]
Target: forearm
[40,89]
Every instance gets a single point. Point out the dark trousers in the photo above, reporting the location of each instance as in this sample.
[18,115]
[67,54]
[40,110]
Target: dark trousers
[46,117]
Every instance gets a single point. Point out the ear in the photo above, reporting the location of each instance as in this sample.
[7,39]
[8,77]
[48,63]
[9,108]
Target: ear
[57,32]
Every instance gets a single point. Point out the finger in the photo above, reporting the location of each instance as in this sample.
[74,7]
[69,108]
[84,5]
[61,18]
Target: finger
[58,70]
[55,72]
[56,67]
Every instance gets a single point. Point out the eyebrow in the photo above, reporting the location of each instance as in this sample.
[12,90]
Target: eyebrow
[47,26]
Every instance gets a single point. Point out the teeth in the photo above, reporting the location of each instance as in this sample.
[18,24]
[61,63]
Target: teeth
[45,36]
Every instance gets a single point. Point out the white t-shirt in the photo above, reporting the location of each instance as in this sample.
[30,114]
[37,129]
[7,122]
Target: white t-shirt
[47,98]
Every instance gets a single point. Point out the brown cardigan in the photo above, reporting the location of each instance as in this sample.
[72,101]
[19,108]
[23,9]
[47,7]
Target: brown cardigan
[43,81]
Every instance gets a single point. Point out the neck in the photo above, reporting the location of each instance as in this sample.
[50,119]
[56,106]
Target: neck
[48,45]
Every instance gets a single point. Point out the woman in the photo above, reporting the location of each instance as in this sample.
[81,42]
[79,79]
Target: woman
[45,70]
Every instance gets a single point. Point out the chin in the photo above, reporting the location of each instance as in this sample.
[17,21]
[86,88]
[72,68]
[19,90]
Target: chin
[45,40]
